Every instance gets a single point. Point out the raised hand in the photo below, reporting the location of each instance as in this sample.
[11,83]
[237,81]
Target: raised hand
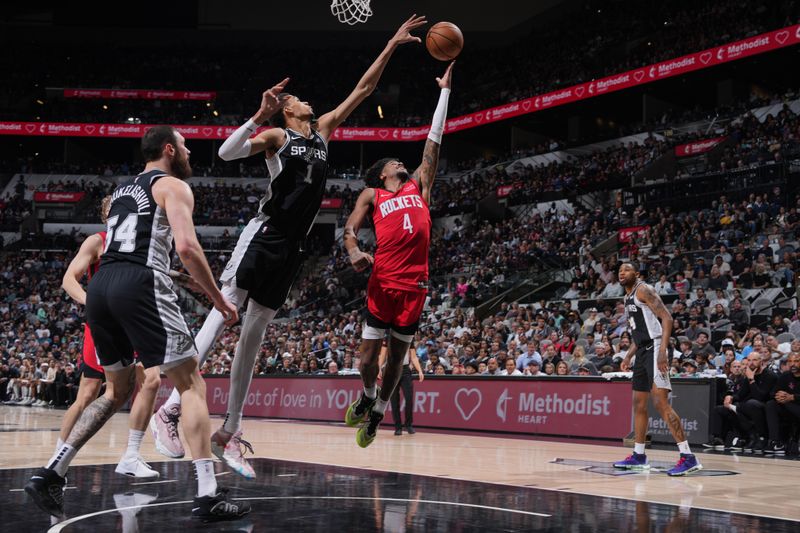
[444,81]
[403,34]
[270,102]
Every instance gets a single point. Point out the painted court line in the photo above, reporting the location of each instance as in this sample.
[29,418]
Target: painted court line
[60,526]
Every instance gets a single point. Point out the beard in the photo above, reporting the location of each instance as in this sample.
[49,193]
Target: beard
[181,168]
[402,175]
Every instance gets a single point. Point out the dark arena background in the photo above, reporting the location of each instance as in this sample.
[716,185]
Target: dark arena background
[581,135]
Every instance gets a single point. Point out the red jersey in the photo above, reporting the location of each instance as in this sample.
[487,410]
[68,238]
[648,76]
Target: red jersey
[89,354]
[402,224]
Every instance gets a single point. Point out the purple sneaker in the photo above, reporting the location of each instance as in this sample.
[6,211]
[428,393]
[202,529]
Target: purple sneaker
[164,426]
[635,461]
[685,465]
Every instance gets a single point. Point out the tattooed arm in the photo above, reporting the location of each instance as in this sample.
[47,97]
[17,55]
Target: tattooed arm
[646,294]
[426,172]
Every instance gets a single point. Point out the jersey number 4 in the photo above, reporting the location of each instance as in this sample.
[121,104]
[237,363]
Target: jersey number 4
[125,234]
[407,223]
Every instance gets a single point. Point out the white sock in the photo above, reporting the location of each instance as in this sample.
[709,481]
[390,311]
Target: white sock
[134,442]
[206,482]
[683,447]
[254,326]
[61,459]
[638,447]
[371,392]
[380,406]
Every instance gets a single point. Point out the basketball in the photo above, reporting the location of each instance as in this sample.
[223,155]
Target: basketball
[444,41]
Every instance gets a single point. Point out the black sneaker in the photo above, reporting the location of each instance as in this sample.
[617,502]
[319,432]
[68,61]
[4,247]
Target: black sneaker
[736,444]
[775,448]
[715,444]
[751,444]
[410,429]
[217,507]
[759,445]
[398,431]
[47,490]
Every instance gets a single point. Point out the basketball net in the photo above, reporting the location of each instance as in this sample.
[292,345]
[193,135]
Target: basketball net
[351,11]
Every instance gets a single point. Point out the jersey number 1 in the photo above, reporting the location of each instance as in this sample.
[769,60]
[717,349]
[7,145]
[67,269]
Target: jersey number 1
[407,223]
[125,234]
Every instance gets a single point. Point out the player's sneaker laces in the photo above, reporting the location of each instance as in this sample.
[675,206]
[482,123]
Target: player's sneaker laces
[136,467]
[358,410]
[217,507]
[164,426]
[686,465]
[635,461]
[46,488]
[369,429]
[232,452]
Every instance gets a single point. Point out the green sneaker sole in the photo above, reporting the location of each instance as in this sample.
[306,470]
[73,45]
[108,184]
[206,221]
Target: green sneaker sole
[362,439]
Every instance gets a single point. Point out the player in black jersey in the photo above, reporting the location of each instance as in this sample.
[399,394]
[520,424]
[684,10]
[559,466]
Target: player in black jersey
[131,307]
[644,309]
[268,256]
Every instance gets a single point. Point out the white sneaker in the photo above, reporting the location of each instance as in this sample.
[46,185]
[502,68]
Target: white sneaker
[135,467]
[231,452]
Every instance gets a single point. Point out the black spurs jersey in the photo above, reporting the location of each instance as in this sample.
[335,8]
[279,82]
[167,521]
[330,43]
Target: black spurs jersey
[642,320]
[298,171]
[137,228]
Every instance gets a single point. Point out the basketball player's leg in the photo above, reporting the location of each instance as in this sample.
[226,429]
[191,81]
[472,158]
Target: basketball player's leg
[209,503]
[407,308]
[131,464]
[375,328]
[660,391]
[164,422]
[642,384]
[161,338]
[268,269]
[88,389]
[226,442]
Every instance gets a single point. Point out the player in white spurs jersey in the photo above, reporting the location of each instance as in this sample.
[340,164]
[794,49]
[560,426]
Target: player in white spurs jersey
[644,309]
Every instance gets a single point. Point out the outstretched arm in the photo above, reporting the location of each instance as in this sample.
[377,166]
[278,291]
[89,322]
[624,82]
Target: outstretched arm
[331,120]
[652,300]
[360,260]
[426,172]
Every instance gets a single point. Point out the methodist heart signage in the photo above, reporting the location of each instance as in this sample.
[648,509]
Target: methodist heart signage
[554,406]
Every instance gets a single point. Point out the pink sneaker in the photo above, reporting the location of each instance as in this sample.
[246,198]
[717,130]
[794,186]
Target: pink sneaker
[164,426]
[229,449]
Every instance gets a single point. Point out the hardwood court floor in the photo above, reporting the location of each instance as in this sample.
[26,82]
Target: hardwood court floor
[734,485]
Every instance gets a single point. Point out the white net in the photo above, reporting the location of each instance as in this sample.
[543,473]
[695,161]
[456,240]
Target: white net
[351,11]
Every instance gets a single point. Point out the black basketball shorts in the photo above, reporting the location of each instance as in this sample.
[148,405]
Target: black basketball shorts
[265,263]
[645,368]
[132,308]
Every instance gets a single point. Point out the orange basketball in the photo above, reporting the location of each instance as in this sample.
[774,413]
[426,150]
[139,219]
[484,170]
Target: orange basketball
[444,41]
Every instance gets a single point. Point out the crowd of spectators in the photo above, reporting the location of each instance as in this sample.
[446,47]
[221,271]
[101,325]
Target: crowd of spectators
[589,42]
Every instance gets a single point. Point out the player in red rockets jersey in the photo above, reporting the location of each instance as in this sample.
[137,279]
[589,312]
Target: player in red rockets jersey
[397,288]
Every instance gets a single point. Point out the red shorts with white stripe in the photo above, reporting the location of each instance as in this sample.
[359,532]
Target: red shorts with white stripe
[89,352]
[395,307]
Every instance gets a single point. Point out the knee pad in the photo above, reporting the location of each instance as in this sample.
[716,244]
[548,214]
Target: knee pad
[371,333]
